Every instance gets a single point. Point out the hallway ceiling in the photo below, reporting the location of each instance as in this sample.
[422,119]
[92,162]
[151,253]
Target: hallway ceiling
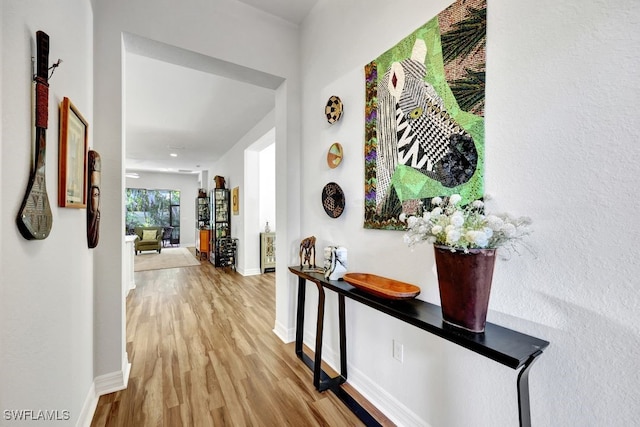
[293,11]
[176,106]
[196,115]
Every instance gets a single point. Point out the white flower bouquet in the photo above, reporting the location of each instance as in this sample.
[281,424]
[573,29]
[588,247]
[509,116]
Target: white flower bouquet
[448,223]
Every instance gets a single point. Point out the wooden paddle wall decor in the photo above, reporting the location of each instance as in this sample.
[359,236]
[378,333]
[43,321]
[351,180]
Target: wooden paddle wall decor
[34,217]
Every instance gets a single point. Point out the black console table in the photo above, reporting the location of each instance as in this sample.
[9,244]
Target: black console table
[503,345]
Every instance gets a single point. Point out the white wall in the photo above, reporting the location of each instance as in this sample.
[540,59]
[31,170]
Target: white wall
[187,184]
[267,189]
[561,128]
[241,168]
[46,286]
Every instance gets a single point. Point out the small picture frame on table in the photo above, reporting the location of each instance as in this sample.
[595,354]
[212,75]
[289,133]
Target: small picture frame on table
[73,148]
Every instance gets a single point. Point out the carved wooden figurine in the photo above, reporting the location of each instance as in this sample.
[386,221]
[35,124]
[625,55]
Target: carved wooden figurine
[308,247]
[93,199]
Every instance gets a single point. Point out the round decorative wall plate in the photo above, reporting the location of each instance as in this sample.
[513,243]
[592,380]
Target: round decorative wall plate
[333,200]
[333,110]
[334,156]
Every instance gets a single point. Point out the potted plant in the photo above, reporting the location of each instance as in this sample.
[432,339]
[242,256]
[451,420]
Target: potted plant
[465,240]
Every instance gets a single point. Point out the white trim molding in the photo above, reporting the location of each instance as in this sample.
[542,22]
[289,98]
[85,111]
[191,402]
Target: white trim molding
[114,381]
[104,384]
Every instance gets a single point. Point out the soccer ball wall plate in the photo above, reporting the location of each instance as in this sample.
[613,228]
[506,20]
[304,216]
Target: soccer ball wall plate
[333,110]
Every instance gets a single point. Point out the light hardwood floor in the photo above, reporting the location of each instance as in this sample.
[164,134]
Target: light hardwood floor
[203,353]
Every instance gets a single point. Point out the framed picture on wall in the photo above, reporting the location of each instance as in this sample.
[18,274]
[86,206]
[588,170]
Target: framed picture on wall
[73,147]
[235,200]
[424,116]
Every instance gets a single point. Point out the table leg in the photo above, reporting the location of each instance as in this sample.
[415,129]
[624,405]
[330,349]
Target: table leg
[524,408]
[343,338]
[302,290]
[321,380]
[317,368]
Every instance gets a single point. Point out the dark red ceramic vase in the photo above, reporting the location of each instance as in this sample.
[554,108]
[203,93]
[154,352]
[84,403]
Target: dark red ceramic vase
[464,280]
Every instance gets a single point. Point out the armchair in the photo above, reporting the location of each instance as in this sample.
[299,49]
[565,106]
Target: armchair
[149,239]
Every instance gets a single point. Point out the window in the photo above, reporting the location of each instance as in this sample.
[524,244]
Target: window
[159,208]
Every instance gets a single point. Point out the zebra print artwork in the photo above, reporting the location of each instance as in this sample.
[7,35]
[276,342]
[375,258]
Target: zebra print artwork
[424,124]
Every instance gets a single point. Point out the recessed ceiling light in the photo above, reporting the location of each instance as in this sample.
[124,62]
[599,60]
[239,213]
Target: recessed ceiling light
[174,154]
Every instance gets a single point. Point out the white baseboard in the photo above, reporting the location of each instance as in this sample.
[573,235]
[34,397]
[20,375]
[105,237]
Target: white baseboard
[104,384]
[113,381]
[88,408]
[251,272]
[370,390]
[386,403]
[287,335]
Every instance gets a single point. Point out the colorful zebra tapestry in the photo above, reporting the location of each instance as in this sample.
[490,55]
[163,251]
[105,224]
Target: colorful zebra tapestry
[424,116]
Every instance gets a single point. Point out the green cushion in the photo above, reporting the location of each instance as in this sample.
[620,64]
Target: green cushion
[149,234]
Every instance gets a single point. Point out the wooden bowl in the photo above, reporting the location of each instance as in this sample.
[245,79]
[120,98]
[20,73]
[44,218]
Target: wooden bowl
[334,156]
[381,286]
[333,109]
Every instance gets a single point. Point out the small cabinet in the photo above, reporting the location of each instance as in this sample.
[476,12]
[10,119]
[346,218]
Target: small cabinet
[267,252]
[202,247]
